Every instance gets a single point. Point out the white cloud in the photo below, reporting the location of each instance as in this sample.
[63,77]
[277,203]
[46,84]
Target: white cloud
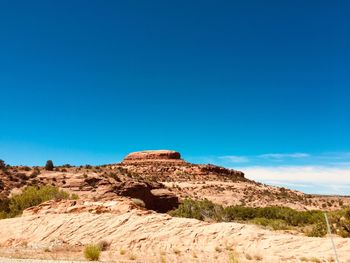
[319,179]
[313,174]
[235,158]
[283,155]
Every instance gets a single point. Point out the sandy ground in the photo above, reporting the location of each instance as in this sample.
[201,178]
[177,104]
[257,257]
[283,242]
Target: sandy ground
[13,260]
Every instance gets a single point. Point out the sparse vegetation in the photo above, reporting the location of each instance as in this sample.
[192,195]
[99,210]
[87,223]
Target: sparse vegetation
[35,173]
[2,165]
[49,165]
[274,217]
[104,245]
[176,251]
[30,196]
[218,249]
[232,258]
[92,252]
[132,256]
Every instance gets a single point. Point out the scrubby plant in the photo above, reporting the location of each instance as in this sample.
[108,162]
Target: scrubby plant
[35,173]
[275,224]
[22,176]
[317,230]
[312,223]
[232,258]
[132,256]
[2,164]
[92,252]
[74,196]
[26,168]
[104,245]
[198,209]
[32,196]
[49,165]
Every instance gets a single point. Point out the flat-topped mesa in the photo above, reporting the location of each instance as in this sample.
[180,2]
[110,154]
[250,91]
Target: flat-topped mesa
[166,166]
[153,155]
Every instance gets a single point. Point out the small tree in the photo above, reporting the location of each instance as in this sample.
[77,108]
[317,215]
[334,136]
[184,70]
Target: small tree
[2,164]
[49,165]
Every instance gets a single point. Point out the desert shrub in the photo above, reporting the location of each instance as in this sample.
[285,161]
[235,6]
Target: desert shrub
[275,224]
[22,176]
[92,252]
[32,196]
[317,230]
[340,222]
[2,164]
[114,176]
[26,168]
[49,165]
[35,173]
[74,196]
[104,245]
[4,208]
[312,223]
[198,209]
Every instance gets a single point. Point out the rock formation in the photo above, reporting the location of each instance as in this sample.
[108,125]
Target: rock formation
[153,155]
[166,165]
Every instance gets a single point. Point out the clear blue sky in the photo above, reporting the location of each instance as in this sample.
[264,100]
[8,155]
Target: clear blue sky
[89,81]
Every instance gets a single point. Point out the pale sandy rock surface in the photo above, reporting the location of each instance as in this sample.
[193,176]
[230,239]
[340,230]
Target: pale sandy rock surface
[21,260]
[152,237]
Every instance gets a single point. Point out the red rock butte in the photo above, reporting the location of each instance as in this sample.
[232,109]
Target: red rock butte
[153,155]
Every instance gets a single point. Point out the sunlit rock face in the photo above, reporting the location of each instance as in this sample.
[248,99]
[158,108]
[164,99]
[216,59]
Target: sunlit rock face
[153,155]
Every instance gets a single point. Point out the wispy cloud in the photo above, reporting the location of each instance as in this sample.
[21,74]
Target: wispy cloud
[323,173]
[283,155]
[235,158]
[315,179]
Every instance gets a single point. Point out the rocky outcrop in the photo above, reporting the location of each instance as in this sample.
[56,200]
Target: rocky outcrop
[154,197]
[153,155]
[152,237]
[209,168]
[165,166]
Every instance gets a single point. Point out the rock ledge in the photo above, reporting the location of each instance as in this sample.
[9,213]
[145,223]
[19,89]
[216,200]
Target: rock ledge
[153,155]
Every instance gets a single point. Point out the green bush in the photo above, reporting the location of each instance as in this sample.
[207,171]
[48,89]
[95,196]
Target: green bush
[200,210]
[2,165]
[32,196]
[312,223]
[49,165]
[317,230]
[275,224]
[92,252]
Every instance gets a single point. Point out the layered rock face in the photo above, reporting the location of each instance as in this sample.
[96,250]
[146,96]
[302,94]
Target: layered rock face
[152,155]
[167,165]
